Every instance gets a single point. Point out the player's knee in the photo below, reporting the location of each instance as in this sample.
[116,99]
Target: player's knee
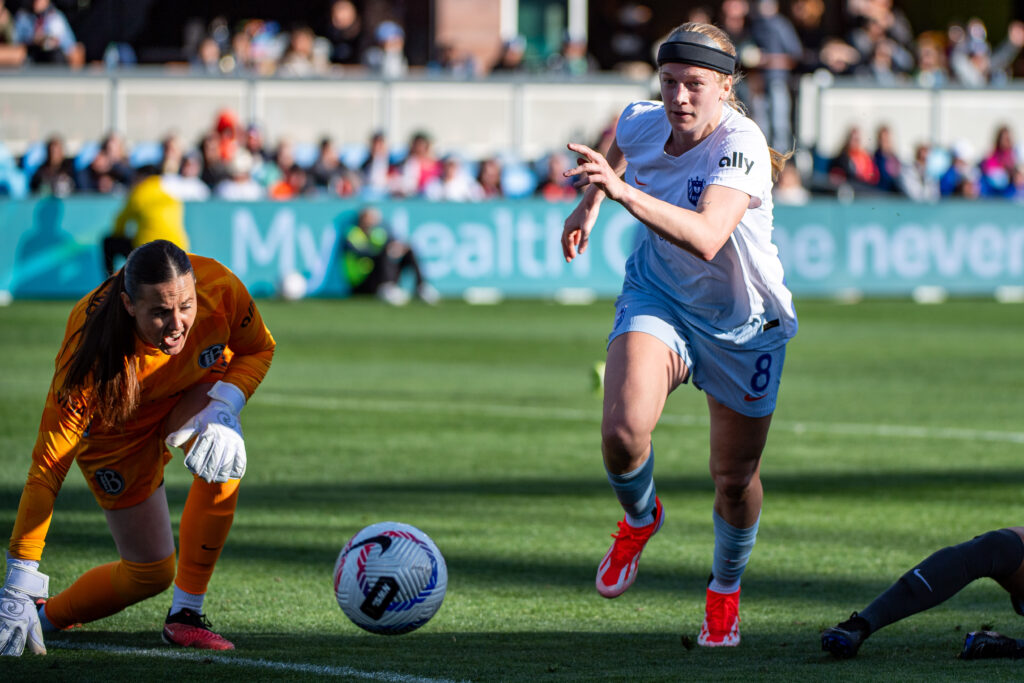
[140,580]
[997,554]
[624,441]
[733,486]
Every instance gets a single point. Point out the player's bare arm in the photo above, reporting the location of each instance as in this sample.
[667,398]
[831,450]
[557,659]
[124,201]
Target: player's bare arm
[576,231]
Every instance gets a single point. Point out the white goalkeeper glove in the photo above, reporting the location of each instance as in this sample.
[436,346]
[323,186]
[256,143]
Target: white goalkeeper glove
[218,453]
[19,616]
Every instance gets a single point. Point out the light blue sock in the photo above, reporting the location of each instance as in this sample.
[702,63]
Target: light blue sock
[183,600]
[732,551]
[635,491]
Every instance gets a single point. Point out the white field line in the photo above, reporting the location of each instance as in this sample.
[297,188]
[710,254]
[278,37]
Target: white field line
[569,414]
[205,656]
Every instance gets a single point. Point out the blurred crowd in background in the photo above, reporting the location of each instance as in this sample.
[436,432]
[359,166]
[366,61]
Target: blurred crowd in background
[777,42]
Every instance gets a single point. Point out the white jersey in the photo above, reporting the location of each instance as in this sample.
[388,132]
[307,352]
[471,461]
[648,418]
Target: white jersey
[733,296]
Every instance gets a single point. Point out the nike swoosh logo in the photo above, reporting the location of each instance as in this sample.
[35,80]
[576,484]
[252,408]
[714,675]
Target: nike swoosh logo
[637,179]
[750,399]
[206,547]
[917,573]
[383,541]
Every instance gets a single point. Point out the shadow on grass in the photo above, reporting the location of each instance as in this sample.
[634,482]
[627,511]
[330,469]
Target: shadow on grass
[789,654]
[905,485]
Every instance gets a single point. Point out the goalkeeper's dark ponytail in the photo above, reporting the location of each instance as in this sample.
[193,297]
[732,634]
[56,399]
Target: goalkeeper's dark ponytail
[100,377]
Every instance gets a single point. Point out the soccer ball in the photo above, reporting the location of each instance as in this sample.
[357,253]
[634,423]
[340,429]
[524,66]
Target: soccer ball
[293,286]
[390,578]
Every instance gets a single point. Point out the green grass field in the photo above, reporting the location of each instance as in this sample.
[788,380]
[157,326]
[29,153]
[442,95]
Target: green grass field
[898,432]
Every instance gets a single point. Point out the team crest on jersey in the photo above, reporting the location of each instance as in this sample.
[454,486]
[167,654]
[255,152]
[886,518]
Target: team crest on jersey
[110,481]
[694,189]
[210,354]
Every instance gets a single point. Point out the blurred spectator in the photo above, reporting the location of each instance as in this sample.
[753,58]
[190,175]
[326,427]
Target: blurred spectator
[512,58]
[449,61]
[839,57]
[228,133]
[572,58]
[345,33]
[12,53]
[266,44]
[419,167]
[453,184]
[488,176]
[46,35]
[875,21]
[916,179]
[186,184]
[303,58]
[328,167]
[373,262]
[239,185]
[97,176]
[207,58]
[263,170]
[56,175]
[780,52]
[284,158]
[972,60]
[879,67]
[214,168]
[807,17]
[155,212]
[120,166]
[853,165]
[999,164]
[931,61]
[240,61]
[734,19]
[295,183]
[631,39]
[789,189]
[700,14]
[172,151]
[554,186]
[890,168]
[330,175]
[377,170]
[386,57]
[961,178]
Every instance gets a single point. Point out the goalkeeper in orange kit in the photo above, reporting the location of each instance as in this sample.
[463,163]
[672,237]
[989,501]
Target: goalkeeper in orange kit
[165,352]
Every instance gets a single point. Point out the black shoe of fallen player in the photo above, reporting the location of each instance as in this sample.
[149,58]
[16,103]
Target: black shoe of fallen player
[990,645]
[844,639]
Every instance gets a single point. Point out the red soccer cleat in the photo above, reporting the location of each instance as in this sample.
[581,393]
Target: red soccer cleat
[721,627]
[186,628]
[618,569]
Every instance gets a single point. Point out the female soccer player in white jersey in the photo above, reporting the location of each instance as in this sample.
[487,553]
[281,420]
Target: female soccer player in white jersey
[703,299]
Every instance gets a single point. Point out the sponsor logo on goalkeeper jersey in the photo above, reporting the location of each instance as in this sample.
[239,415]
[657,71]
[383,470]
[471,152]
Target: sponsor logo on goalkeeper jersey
[210,354]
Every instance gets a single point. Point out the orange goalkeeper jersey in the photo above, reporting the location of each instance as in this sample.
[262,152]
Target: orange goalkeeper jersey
[227,324]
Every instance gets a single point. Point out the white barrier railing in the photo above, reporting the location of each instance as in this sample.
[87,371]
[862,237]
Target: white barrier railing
[523,116]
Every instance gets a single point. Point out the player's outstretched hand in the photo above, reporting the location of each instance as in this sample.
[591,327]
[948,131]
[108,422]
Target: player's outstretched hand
[19,618]
[218,453]
[593,169]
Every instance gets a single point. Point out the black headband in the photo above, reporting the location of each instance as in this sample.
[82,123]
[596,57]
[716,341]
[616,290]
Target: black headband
[686,52]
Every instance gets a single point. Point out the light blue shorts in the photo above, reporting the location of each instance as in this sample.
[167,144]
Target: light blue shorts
[745,380]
